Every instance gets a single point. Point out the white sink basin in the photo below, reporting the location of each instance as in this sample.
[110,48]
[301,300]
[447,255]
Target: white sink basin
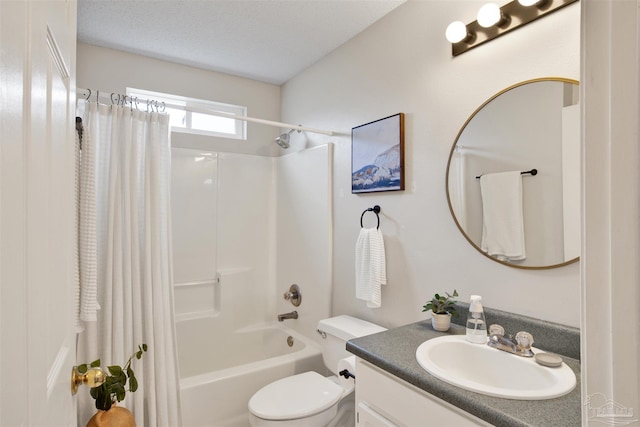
[486,370]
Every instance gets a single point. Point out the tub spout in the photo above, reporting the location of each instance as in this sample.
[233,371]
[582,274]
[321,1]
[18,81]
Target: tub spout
[292,315]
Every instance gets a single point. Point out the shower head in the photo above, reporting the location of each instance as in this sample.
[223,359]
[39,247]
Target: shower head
[283,140]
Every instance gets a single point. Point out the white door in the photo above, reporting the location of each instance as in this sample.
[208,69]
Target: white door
[37,205]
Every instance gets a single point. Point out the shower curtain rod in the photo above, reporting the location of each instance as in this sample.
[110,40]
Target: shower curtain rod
[87,93]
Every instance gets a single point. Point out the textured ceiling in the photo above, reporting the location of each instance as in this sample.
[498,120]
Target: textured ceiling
[266,40]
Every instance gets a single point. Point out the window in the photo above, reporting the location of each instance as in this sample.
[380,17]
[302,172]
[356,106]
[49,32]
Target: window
[185,119]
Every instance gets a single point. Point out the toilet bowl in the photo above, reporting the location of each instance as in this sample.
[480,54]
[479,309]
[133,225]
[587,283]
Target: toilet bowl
[310,399]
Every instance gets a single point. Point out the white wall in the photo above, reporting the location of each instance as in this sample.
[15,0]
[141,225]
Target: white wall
[111,70]
[403,64]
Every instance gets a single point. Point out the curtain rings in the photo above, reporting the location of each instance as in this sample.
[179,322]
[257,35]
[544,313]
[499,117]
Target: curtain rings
[154,106]
[125,100]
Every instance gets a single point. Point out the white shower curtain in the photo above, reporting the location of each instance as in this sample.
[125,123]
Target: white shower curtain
[135,291]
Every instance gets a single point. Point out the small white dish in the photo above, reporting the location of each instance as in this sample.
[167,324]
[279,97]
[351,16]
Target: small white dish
[548,359]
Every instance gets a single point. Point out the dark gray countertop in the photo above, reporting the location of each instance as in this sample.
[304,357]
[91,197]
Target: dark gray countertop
[394,351]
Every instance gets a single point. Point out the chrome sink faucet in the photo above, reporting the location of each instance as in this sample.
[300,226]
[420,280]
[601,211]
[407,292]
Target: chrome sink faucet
[519,345]
[292,315]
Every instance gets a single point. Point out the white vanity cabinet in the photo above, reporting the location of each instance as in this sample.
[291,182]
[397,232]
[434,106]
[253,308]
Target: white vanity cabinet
[384,400]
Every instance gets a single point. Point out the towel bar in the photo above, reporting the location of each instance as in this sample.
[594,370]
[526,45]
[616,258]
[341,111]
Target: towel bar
[533,172]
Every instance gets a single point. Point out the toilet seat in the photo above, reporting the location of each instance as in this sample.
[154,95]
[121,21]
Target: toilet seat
[298,396]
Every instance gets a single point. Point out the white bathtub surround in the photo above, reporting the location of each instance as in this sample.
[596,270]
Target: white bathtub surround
[245,228]
[222,226]
[134,259]
[194,218]
[303,234]
[194,214]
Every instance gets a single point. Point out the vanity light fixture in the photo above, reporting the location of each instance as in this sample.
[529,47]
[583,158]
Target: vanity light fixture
[494,21]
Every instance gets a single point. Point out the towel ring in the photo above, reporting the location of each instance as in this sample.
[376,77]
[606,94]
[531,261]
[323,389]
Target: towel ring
[375,210]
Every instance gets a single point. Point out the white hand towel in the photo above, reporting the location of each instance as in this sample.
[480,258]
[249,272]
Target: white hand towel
[503,218]
[371,270]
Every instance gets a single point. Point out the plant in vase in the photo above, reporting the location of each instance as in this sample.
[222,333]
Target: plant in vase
[442,308]
[112,390]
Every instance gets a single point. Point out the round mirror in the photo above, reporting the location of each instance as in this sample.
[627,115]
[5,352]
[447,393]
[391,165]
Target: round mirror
[529,219]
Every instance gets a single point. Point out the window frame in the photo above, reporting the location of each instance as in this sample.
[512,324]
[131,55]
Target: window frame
[188,104]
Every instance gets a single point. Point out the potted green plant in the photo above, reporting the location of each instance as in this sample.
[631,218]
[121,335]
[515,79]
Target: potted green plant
[442,308]
[112,390]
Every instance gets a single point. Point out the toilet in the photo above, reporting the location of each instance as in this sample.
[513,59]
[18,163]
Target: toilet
[310,399]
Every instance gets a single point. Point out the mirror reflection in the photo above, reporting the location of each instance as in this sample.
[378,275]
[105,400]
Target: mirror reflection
[514,217]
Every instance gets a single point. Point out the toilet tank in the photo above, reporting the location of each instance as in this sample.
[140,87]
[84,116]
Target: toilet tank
[336,331]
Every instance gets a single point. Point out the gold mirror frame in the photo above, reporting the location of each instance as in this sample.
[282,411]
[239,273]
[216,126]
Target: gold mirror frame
[451,153]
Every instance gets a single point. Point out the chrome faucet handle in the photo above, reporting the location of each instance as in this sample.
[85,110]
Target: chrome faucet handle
[519,345]
[293,295]
[524,340]
[496,329]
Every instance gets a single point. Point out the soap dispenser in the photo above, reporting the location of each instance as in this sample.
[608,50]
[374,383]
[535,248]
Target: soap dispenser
[476,324]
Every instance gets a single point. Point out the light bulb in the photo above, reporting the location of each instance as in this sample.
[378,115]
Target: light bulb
[489,15]
[456,32]
[528,2]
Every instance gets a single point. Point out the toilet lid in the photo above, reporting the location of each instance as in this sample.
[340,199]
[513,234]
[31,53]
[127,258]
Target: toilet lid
[294,397]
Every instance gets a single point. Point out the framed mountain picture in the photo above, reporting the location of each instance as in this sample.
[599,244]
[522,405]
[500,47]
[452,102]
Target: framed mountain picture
[377,155]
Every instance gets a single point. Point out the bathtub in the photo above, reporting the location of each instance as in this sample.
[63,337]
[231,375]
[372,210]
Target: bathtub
[219,372]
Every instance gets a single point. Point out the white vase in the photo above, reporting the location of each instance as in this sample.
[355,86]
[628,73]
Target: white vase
[441,322]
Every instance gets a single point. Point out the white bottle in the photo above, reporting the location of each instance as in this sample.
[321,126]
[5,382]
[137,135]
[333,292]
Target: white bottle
[476,324]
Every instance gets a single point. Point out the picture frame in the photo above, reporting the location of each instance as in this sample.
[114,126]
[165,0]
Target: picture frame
[377,155]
